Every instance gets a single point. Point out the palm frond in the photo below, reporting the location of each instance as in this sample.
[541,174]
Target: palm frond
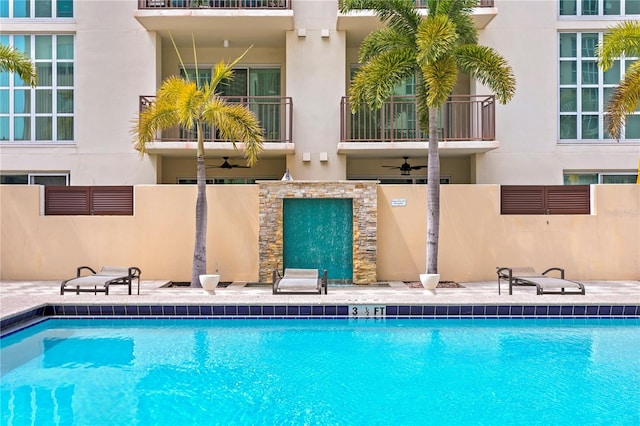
[400,15]
[489,68]
[375,81]
[440,78]
[234,122]
[223,72]
[149,122]
[16,61]
[624,100]
[623,38]
[382,41]
[460,12]
[436,37]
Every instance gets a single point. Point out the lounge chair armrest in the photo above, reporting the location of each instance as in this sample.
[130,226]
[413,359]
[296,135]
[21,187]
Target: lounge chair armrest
[80,268]
[505,273]
[555,269]
[135,272]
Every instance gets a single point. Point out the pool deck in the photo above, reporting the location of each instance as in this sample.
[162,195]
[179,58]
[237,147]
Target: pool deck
[20,296]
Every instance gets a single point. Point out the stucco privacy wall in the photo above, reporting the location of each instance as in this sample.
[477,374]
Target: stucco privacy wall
[474,237]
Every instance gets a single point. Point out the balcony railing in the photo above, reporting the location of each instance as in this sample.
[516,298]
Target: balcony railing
[214,4]
[462,118]
[273,112]
[245,4]
[481,3]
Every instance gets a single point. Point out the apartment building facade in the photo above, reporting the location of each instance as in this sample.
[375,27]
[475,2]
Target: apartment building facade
[99,62]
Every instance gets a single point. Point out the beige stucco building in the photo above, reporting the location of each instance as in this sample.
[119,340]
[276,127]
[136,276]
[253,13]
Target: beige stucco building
[99,62]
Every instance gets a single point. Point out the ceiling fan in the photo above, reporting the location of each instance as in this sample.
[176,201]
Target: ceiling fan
[227,165]
[405,168]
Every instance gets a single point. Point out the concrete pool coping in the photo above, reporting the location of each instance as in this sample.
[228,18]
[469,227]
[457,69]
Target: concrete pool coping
[17,297]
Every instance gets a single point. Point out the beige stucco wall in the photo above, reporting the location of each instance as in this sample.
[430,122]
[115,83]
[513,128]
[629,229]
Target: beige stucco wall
[158,238]
[474,237]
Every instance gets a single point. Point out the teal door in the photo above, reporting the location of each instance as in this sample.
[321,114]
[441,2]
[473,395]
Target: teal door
[318,234]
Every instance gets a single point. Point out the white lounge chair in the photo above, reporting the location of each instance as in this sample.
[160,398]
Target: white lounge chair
[544,284]
[299,281]
[99,282]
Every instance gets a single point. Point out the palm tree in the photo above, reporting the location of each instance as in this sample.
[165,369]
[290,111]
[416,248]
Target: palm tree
[433,49]
[13,60]
[180,102]
[623,39]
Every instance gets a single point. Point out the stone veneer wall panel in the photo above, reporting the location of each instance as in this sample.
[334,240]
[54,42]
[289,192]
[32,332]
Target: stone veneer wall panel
[365,223]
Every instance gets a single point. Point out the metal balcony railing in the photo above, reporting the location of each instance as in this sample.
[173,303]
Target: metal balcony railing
[462,118]
[481,3]
[214,4]
[273,112]
[244,4]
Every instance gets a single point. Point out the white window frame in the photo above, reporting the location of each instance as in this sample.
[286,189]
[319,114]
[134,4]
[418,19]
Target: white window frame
[31,177]
[578,86]
[32,11]
[600,174]
[600,14]
[54,87]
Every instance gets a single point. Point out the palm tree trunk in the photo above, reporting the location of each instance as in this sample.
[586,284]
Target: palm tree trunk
[433,194]
[200,247]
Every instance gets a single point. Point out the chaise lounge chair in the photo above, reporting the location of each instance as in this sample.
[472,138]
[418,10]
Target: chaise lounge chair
[299,281]
[99,282]
[544,284]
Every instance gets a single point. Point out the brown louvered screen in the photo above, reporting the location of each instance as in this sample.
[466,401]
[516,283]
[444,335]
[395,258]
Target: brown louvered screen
[112,200]
[88,200]
[66,200]
[568,199]
[530,199]
[522,200]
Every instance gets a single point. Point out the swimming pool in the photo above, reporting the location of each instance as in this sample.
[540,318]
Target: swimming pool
[321,371]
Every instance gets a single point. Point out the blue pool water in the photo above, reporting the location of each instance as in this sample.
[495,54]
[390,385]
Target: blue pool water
[322,372]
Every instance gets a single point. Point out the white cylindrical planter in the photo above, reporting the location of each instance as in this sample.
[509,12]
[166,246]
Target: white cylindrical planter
[430,282]
[209,283]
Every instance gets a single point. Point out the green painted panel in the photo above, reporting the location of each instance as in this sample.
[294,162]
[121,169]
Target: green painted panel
[318,234]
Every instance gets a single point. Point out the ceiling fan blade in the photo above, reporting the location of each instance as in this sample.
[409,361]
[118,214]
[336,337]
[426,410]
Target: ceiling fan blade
[392,167]
[226,165]
[419,167]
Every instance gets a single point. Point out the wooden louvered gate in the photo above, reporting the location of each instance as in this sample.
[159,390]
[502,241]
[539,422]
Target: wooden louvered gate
[88,200]
[556,199]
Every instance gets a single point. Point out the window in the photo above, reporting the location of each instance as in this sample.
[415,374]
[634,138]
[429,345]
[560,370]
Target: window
[36,8]
[585,90]
[46,113]
[261,84]
[598,7]
[588,178]
[56,179]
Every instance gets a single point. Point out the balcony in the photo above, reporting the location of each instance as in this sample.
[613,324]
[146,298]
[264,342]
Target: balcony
[466,124]
[214,4]
[212,21]
[273,112]
[358,24]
